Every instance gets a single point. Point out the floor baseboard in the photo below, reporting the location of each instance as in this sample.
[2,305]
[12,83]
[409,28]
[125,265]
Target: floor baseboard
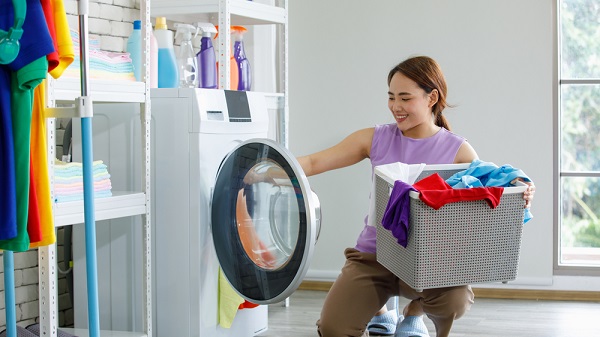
[517,294]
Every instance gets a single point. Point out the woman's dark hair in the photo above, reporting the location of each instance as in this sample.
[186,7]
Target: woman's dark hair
[428,75]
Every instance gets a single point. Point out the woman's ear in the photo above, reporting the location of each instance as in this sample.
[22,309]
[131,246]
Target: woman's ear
[433,97]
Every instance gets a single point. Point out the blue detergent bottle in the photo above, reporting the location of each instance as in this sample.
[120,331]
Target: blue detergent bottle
[206,59]
[168,76]
[244,71]
[134,48]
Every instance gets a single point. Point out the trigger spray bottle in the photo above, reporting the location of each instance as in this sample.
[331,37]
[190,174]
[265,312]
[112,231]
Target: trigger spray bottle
[207,62]
[186,58]
[239,53]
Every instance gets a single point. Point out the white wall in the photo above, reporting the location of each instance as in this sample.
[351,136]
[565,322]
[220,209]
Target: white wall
[498,59]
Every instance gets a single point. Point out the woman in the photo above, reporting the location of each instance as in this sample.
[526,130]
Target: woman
[417,97]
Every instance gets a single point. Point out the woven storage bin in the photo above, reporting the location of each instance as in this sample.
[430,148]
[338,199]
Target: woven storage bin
[461,243]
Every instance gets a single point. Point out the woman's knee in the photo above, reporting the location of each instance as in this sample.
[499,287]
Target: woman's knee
[450,302]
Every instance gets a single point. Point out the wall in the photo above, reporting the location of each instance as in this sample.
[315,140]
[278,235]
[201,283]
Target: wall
[498,60]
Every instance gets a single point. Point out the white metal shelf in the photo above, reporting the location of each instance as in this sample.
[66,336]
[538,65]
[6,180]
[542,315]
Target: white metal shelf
[103,333]
[243,12]
[66,89]
[121,204]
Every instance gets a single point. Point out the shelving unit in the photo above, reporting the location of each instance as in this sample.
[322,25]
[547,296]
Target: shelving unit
[137,203]
[226,13]
[121,204]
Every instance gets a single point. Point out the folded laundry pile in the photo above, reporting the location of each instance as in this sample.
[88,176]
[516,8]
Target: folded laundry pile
[102,64]
[68,181]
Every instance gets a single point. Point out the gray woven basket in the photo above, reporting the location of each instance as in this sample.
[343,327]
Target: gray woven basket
[461,243]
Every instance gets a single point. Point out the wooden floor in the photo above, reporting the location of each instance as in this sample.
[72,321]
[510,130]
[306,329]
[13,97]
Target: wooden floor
[487,317]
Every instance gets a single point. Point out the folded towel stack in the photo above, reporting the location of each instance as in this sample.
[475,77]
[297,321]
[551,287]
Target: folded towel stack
[102,64]
[68,181]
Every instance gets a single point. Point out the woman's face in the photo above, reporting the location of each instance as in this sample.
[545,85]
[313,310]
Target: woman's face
[411,107]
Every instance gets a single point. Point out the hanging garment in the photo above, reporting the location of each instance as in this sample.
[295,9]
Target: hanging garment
[39,160]
[33,214]
[64,42]
[8,202]
[49,15]
[64,46]
[27,71]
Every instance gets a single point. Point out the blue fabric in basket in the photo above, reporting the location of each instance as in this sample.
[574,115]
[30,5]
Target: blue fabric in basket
[489,174]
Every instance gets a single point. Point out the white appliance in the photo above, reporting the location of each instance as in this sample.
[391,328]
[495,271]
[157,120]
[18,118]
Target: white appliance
[204,216]
[204,143]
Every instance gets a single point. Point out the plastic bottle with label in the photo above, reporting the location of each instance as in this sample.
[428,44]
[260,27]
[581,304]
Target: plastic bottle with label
[207,63]
[168,76]
[186,58]
[134,48]
[239,53]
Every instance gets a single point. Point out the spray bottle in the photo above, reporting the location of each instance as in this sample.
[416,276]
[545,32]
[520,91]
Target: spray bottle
[186,58]
[244,71]
[207,63]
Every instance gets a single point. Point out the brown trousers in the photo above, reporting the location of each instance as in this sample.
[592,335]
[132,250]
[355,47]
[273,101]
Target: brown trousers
[364,286]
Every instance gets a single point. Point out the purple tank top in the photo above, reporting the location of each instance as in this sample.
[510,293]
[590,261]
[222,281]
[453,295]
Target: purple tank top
[389,145]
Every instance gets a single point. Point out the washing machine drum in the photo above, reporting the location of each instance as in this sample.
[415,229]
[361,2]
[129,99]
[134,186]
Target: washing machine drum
[265,221]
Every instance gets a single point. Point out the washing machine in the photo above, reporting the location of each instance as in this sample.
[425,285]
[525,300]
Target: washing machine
[229,204]
[209,219]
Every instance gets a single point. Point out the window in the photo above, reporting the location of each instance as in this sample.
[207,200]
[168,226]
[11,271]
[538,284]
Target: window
[579,134]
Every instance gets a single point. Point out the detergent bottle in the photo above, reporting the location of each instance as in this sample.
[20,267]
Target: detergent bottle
[186,58]
[233,68]
[207,63]
[243,65]
[134,48]
[167,64]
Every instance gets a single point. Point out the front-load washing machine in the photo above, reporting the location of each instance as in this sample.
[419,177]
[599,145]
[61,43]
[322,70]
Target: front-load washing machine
[208,215]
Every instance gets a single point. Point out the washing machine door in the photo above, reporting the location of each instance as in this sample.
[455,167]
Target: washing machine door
[265,221]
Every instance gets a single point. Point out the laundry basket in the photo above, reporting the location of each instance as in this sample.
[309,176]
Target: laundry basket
[461,243]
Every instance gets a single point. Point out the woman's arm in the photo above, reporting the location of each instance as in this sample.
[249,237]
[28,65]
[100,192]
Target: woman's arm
[466,154]
[351,150]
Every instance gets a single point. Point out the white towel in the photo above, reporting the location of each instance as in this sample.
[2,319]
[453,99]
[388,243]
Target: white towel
[407,173]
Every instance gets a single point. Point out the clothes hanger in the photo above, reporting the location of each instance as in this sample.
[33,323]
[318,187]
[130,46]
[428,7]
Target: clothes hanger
[9,40]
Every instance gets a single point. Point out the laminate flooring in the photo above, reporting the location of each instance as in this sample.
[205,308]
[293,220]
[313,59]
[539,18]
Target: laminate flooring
[487,318]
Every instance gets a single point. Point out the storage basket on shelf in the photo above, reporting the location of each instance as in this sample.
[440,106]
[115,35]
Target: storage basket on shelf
[461,243]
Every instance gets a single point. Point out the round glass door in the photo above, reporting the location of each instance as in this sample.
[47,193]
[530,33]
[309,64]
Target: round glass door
[265,221]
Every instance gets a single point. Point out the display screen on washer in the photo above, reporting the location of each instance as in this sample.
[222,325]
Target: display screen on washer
[237,106]
[261,222]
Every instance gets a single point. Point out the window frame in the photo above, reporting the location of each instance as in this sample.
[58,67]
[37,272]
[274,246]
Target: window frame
[562,269]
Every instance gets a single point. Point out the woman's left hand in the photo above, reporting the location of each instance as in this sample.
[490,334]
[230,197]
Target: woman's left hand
[528,194]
